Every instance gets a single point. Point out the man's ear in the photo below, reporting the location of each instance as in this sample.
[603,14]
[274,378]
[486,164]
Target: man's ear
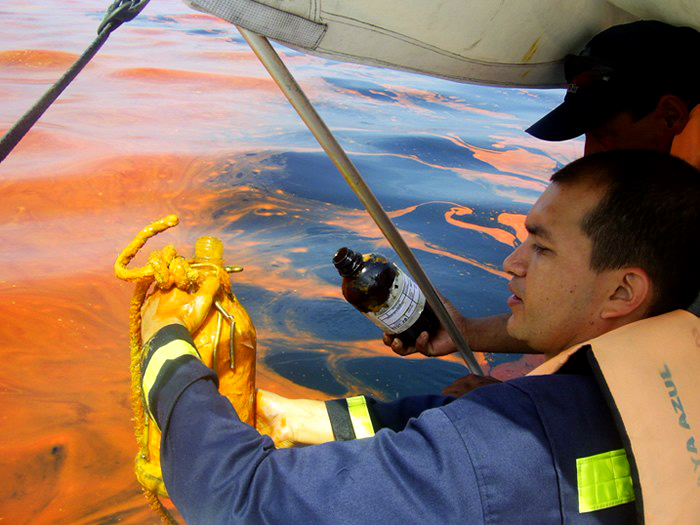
[631,294]
[674,112]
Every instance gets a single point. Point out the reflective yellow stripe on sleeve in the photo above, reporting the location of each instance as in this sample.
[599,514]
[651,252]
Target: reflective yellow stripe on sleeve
[359,415]
[165,353]
[604,481]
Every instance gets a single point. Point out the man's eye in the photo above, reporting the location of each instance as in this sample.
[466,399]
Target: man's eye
[539,249]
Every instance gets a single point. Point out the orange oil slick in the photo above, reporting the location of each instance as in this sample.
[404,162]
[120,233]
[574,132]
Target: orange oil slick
[67,447]
[496,233]
[66,428]
[360,223]
[497,180]
[515,221]
[31,58]
[172,77]
[519,161]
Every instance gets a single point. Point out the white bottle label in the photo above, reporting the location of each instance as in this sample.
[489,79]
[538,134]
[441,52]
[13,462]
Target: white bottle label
[403,307]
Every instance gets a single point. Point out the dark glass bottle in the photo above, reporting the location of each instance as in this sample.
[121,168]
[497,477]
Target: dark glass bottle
[385,295]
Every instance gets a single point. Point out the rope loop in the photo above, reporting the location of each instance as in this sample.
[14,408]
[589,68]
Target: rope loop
[171,269]
[139,274]
[119,12]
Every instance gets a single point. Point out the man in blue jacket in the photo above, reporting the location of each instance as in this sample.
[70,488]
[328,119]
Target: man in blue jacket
[613,240]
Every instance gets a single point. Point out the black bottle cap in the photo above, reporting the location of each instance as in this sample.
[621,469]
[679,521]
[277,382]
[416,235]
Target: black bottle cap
[347,262]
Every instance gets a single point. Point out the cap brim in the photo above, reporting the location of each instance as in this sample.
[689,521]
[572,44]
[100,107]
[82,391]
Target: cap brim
[582,110]
[567,121]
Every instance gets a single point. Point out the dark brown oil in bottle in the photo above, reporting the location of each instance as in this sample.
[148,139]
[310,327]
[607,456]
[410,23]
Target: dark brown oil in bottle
[385,295]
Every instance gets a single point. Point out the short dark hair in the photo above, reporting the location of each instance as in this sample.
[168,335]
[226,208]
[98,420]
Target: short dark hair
[649,217]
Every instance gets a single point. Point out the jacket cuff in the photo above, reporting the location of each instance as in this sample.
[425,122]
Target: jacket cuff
[166,352]
[352,418]
[185,374]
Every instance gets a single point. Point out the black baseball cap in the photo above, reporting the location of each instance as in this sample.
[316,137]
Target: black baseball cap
[625,67]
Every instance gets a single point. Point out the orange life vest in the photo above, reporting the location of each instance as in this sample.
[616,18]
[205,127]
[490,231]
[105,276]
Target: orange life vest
[649,371]
[686,144]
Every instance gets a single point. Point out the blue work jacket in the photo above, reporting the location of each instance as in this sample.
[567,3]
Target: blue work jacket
[503,454]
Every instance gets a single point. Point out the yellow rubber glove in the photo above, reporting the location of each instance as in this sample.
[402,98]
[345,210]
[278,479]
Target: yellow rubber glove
[173,308]
[176,306]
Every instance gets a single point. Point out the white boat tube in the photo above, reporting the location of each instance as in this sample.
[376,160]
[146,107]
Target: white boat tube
[519,43]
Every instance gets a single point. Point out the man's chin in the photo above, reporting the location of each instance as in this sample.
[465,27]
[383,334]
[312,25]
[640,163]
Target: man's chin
[513,328]
[510,328]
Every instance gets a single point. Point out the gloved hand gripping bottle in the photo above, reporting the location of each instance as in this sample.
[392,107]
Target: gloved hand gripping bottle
[385,295]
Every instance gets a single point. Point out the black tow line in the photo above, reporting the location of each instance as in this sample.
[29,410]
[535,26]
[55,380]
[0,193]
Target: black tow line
[119,12]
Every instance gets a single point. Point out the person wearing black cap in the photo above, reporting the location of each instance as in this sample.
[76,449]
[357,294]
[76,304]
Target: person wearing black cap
[633,86]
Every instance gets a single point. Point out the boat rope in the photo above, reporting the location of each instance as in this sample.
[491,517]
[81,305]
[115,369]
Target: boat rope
[299,101]
[119,12]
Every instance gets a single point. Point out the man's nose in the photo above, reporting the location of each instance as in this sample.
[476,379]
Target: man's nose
[516,262]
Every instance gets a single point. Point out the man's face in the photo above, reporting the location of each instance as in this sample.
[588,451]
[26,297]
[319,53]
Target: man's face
[556,296]
[624,132]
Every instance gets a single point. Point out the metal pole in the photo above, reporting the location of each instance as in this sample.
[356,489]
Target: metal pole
[284,79]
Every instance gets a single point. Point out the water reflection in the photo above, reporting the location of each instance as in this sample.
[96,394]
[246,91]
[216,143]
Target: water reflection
[175,115]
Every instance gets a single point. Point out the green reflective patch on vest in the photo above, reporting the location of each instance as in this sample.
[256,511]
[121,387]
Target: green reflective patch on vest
[359,415]
[604,481]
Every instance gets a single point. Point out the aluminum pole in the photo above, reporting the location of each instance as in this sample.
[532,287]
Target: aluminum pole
[291,89]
